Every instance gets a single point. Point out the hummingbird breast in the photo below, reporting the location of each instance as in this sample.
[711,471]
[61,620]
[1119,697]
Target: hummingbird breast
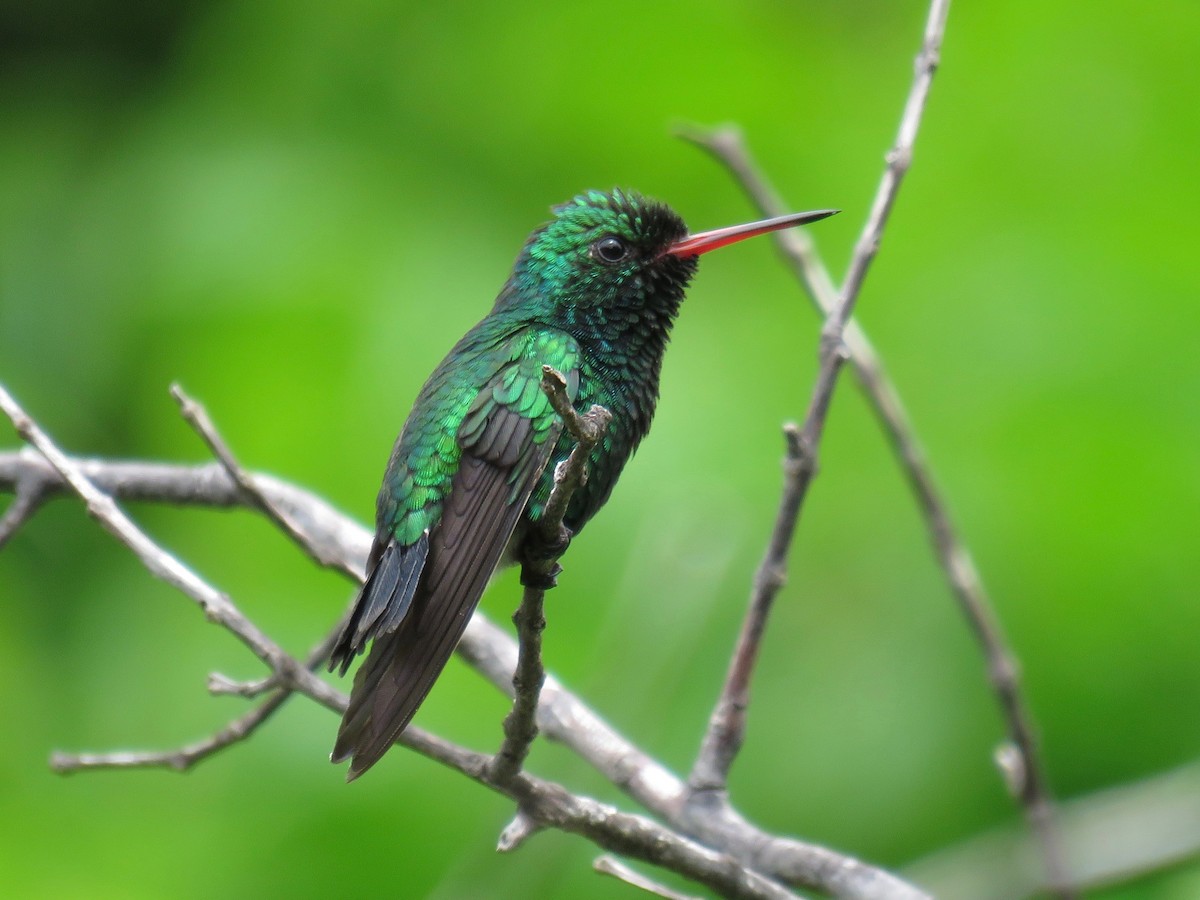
[620,373]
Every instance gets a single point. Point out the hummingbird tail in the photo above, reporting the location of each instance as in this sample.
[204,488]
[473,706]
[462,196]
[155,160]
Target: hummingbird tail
[402,666]
[385,599]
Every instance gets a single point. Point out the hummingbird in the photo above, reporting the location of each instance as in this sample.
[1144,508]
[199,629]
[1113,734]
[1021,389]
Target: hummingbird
[593,293]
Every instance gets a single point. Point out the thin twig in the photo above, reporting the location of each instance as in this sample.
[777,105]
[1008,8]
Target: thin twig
[491,650]
[725,735]
[520,725]
[31,490]
[1026,776]
[217,605]
[727,725]
[538,575]
[316,658]
[610,865]
[205,484]
[197,416]
[182,758]
[586,429]
[517,832]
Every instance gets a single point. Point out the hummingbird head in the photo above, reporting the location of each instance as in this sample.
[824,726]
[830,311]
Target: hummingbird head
[614,261]
[604,251]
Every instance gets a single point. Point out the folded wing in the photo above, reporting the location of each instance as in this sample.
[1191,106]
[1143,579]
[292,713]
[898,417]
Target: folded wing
[419,597]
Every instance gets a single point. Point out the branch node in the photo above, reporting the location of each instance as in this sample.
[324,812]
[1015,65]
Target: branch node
[515,833]
[223,685]
[63,763]
[1011,763]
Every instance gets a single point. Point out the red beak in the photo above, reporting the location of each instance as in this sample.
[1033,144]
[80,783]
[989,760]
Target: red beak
[695,244]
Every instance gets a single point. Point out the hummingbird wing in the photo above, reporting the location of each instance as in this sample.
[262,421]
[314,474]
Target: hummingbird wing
[422,591]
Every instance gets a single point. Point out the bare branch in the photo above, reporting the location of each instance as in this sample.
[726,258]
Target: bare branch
[221,684]
[516,832]
[180,759]
[520,725]
[544,801]
[561,714]
[1025,774]
[183,758]
[727,725]
[563,717]
[725,735]
[207,485]
[31,489]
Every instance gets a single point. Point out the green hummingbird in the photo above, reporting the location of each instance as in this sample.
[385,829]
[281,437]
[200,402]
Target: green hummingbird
[593,293]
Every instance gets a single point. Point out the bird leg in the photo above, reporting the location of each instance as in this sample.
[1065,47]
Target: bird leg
[539,557]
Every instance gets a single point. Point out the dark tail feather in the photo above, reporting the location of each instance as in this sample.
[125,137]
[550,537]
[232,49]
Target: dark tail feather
[384,600]
[479,516]
[397,675]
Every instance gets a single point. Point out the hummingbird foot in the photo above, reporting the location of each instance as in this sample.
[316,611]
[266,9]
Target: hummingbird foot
[540,577]
[539,557]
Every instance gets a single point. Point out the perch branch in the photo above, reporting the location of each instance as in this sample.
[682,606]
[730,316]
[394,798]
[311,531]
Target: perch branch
[490,649]
[562,715]
[538,575]
[1158,811]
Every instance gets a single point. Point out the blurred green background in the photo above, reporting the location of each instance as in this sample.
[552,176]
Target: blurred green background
[294,208]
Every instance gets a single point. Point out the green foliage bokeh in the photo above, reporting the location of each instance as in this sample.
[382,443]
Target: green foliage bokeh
[295,208]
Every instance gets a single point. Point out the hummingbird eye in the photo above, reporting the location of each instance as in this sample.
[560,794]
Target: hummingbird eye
[609,249]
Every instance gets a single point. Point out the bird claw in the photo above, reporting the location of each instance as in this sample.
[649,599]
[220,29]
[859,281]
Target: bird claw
[539,557]
[535,577]
[539,549]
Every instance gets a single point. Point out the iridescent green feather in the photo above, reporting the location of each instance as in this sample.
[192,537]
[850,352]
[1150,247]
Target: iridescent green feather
[450,414]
